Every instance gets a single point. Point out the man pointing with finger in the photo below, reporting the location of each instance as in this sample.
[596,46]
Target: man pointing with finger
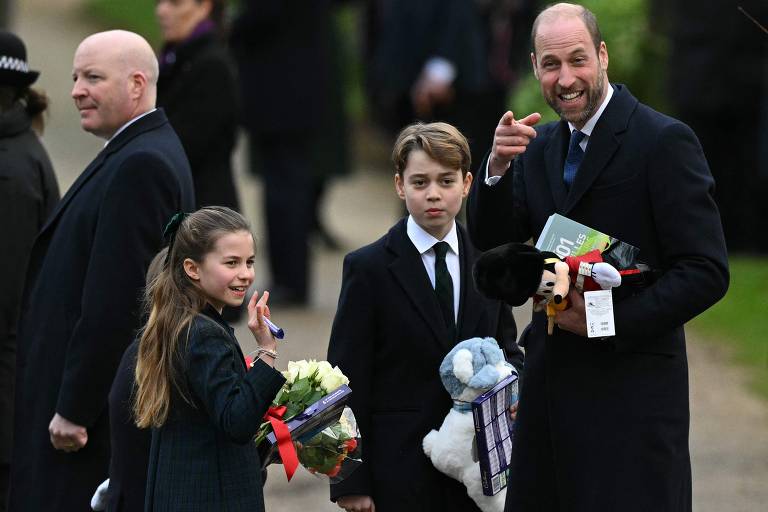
[603,424]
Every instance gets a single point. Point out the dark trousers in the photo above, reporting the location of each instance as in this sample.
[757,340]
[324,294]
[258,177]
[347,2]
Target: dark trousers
[285,163]
[5,476]
[7,381]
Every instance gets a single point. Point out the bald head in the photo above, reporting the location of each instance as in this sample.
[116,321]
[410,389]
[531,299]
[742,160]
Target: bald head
[564,11]
[115,76]
[132,51]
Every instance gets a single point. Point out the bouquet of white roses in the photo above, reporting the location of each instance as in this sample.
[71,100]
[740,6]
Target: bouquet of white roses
[311,399]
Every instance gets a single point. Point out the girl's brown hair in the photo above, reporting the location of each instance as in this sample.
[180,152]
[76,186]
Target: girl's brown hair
[172,300]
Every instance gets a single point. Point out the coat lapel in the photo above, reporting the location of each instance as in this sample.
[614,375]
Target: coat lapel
[408,270]
[470,304]
[148,122]
[554,160]
[77,185]
[603,143]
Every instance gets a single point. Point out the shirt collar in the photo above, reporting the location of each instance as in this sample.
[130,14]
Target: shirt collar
[126,125]
[424,241]
[590,124]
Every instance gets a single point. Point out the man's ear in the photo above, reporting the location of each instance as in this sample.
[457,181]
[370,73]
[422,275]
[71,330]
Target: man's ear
[603,55]
[192,269]
[399,186]
[533,63]
[138,85]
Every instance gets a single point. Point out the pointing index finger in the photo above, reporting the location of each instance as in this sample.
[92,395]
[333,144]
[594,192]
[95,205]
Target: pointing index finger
[530,119]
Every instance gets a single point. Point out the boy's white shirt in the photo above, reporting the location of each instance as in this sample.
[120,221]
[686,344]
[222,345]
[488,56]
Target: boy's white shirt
[423,242]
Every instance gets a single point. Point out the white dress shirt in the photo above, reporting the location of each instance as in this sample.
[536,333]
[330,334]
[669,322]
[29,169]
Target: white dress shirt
[126,125]
[423,242]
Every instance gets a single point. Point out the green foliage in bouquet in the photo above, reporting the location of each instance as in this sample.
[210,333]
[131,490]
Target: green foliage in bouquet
[298,396]
[335,451]
[306,383]
[325,452]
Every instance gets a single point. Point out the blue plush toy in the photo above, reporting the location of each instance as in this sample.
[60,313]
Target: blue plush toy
[471,368]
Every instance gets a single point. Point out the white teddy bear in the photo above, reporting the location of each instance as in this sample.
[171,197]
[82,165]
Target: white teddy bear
[471,368]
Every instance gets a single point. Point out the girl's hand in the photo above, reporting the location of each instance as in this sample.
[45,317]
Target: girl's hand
[257,311]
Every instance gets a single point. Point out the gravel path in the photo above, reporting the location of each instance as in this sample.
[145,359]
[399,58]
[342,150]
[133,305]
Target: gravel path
[729,428]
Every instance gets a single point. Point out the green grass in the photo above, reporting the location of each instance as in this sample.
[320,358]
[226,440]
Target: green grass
[135,15]
[740,320]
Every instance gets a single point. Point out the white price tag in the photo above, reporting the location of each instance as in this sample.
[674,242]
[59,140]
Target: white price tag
[599,307]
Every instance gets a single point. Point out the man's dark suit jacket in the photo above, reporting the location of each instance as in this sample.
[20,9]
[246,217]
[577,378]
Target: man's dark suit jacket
[604,425]
[389,338]
[81,307]
[203,458]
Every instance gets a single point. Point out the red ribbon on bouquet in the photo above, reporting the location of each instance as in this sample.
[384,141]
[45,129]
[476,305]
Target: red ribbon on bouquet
[285,446]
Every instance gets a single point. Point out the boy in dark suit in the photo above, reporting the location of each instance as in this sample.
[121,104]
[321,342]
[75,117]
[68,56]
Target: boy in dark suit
[405,300]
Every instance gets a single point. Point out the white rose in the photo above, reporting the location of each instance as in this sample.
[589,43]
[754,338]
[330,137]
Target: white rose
[323,369]
[292,373]
[308,369]
[333,380]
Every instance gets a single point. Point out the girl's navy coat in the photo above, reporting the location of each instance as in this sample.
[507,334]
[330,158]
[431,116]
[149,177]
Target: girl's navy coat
[203,457]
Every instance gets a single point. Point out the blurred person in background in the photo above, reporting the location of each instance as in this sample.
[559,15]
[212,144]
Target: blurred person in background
[6,12]
[445,60]
[28,193]
[293,114]
[705,36]
[198,90]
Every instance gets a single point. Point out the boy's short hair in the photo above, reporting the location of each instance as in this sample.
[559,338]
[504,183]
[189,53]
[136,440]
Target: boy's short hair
[442,142]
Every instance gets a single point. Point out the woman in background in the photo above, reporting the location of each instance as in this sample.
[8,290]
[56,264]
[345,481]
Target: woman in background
[198,90]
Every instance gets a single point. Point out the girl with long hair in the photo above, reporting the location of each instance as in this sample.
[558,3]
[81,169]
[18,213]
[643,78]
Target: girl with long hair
[192,384]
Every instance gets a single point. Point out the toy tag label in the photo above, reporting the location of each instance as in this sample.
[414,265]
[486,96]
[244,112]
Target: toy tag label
[599,307]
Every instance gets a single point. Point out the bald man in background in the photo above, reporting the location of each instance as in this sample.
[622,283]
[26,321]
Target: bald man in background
[81,301]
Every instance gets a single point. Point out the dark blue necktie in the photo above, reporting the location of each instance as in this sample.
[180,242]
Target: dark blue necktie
[574,158]
[444,286]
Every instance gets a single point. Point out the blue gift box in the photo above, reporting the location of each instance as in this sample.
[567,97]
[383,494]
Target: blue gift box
[308,423]
[493,433]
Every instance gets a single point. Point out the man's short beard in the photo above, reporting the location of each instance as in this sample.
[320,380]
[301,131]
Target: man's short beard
[595,94]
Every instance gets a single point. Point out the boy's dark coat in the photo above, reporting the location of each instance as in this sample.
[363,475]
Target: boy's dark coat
[389,338]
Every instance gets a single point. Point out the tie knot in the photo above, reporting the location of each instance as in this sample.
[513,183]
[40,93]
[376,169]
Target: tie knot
[441,249]
[576,137]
